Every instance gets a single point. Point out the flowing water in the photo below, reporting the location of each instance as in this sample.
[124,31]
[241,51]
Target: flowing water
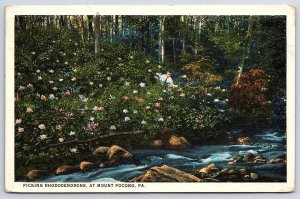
[270,144]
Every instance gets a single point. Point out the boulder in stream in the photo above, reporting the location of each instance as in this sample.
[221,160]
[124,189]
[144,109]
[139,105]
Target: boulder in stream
[86,166]
[101,151]
[66,169]
[211,173]
[277,161]
[36,174]
[244,140]
[115,155]
[165,173]
[172,141]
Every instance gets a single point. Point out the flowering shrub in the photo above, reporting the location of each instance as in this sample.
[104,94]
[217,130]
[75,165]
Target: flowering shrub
[250,92]
[77,98]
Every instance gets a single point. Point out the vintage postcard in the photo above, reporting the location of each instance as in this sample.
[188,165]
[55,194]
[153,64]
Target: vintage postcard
[150,98]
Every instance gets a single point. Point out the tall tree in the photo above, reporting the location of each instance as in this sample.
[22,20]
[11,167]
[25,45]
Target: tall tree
[161,39]
[90,28]
[97,35]
[245,49]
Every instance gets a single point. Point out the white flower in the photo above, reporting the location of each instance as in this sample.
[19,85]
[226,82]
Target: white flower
[92,118]
[226,100]
[20,130]
[43,136]
[74,53]
[159,66]
[161,119]
[149,70]
[66,63]
[51,82]
[83,98]
[18,121]
[216,100]
[126,119]
[119,58]
[147,107]
[135,111]
[57,60]
[98,108]
[134,91]
[183,76]
[108,78]
[51,71]
[91,83]
[40,78]
[100,85]
[147,61]
[222,110]
[182,94]
[113,127]
[131,57]
[42,126]
[22,88]
[209,94]
[61,80]
[51,96]
[61,140]
[43,98]
[143,122]
[29,110]
[38,71]
[127,83]
[73,79]
[58,127]
[33,53]
[142,85]
[73,150]
[125,111]
[72,133]
[223,90]
[76,44]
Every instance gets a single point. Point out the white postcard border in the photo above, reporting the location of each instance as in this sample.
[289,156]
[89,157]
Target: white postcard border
[11,11]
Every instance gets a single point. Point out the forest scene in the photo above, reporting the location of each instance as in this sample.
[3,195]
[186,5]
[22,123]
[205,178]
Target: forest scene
[110,98]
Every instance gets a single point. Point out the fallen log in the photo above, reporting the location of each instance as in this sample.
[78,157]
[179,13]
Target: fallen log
[109,135]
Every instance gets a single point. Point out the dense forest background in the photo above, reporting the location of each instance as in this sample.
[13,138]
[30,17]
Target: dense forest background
[77,77]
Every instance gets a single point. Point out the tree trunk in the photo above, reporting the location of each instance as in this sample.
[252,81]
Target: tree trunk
[97,36]
[116,25]
[22,22]
[245,50]
[174,50]
[70,22]
[83,30]
[183,21]
[161,40]
[62,21]
[90,28]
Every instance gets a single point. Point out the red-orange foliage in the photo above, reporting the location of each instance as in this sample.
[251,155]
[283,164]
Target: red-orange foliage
[250,92]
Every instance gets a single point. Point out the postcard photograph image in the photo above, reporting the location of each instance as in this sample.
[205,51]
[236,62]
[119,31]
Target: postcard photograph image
[150,98]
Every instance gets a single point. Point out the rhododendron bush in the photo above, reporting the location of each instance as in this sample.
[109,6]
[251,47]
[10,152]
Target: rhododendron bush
[62,94]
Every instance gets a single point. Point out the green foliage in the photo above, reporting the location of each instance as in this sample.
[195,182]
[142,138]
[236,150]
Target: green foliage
[78,98]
